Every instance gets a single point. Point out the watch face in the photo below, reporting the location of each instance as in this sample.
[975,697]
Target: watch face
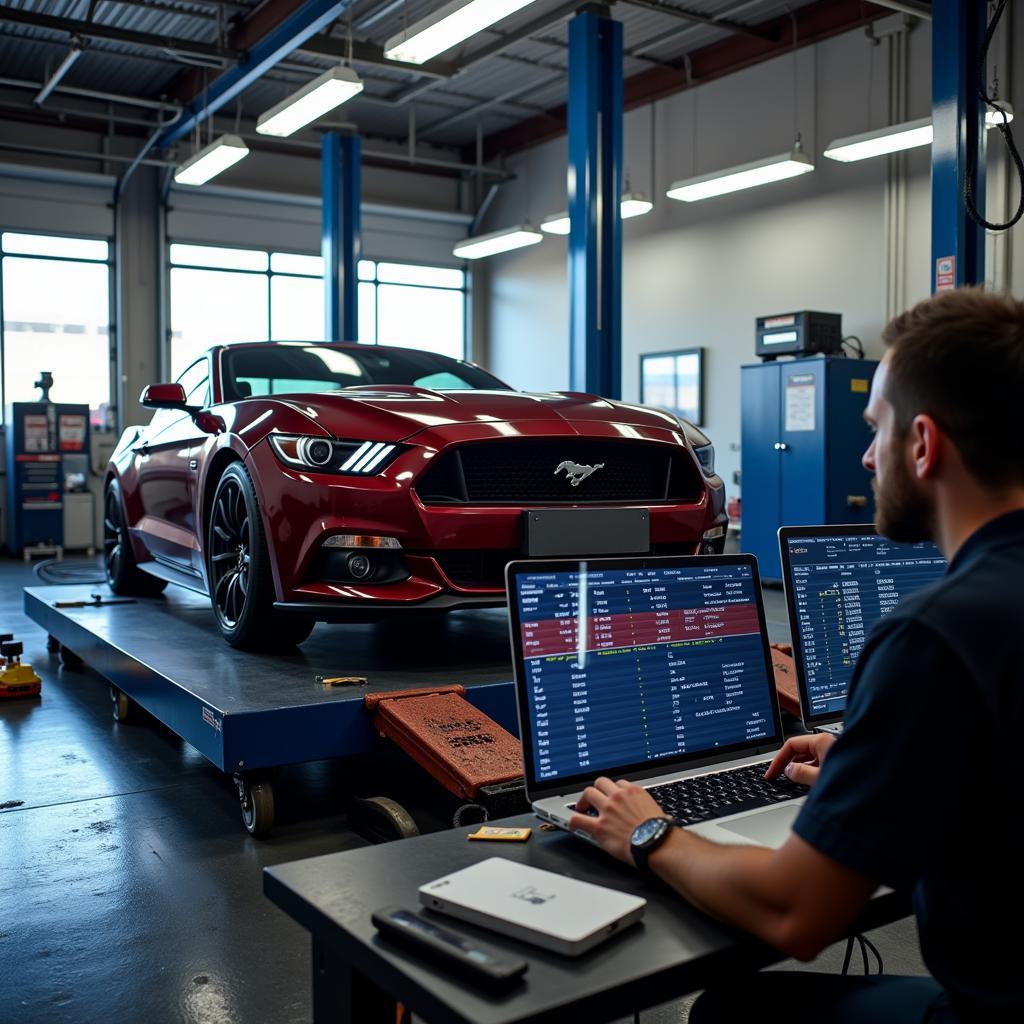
[647,831]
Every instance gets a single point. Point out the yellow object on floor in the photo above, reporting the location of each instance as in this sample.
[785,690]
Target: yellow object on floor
[19,680]
[16,680]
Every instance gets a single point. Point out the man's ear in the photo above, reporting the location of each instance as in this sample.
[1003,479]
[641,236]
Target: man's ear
[927,441]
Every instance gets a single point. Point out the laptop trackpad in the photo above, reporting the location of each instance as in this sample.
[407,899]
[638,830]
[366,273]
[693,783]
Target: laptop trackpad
[768,828]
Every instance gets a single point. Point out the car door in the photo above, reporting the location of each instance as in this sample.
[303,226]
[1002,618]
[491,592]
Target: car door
[166,479]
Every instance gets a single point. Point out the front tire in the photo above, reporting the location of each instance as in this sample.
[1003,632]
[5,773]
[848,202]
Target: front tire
[241,581]
[122,571]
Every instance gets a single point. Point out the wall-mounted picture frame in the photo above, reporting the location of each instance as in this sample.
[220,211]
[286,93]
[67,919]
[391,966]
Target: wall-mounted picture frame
[674,381]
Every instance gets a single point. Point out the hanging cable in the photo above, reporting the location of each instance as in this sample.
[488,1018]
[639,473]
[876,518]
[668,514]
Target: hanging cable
[1004,130]
[858,348]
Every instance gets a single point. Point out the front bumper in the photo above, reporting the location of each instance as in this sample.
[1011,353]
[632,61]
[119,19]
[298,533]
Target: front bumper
[441,545]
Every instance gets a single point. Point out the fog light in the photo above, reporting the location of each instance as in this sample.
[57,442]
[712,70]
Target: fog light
[357,540]
[718,531]
[359,566]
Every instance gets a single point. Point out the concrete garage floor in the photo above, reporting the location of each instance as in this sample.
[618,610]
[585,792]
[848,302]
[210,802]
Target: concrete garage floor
[130,891]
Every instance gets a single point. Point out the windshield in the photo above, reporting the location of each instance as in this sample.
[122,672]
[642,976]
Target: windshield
[253,371]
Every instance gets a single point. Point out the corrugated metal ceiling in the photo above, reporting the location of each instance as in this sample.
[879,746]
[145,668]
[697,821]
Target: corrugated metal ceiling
[529,76]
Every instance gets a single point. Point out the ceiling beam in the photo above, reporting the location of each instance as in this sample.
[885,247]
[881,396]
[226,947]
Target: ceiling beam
[110,33]
[286,36]
[811,23]
[694,18]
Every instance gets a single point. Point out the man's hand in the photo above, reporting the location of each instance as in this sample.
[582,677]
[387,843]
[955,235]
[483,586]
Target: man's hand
[801,758]
[620,806]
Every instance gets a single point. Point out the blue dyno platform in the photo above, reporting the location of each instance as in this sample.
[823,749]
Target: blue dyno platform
[246,712]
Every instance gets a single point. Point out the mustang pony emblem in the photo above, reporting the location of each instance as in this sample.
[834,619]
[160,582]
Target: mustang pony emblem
[576,473]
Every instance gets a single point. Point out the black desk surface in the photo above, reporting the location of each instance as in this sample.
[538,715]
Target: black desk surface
[674,950]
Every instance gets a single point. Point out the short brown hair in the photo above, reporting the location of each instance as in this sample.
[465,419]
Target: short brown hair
[959,358]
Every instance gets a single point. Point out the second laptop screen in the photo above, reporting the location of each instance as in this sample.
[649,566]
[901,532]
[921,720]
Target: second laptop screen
[841,586]
[624,667]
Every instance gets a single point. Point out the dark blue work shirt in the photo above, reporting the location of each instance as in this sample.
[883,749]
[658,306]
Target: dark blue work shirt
[923,790]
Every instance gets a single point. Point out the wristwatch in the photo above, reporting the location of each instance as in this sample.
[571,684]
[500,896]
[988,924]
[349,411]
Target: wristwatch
[646,838]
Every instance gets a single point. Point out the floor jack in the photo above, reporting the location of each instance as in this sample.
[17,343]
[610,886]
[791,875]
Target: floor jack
[16,680]
[466,751]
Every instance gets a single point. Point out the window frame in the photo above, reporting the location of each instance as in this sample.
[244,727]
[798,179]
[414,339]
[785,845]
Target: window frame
[270,273]
[376,282]
[113,336]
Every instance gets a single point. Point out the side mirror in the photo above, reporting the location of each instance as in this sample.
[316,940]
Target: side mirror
[163,396]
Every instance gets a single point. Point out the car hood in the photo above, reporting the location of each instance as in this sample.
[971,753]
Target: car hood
[389,413]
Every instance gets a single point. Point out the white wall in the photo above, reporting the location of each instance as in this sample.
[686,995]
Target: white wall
[699,274]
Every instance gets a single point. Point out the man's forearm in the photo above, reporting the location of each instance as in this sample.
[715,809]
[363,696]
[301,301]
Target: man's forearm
[731,883]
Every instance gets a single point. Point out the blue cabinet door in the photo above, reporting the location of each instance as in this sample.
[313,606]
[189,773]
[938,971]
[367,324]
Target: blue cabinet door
[760,466]
[802,457]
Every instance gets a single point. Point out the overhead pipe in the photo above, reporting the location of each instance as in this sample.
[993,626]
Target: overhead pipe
[90,94]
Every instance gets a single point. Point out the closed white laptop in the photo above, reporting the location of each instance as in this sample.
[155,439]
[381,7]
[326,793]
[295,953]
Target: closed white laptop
[548,910]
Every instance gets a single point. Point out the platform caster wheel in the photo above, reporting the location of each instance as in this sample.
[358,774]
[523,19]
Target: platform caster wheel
[52,645]
[71,661]
[122,705]
[257,800]
[469,814]
[381,819]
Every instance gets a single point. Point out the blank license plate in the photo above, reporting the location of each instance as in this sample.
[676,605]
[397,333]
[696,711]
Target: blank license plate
[587,532]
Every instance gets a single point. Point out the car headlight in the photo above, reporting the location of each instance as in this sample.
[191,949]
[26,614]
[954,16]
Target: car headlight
[701,445]
[706,457]
[325,455]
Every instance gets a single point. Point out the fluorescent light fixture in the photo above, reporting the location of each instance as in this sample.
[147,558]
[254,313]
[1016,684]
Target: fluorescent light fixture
[58,76]
[557,224]
[758,172]
[448,26]
[497,241]
[898,137]
[993,117]
[313,100]
[893,139]
[218,156]
[634,204]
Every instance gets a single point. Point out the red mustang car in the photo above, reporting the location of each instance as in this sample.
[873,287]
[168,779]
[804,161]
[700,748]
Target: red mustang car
[293,482]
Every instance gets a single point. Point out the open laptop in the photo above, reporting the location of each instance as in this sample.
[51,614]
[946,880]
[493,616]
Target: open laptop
[840,580]
[654,669]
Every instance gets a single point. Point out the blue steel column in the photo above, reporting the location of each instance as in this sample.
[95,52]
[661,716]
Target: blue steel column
[958,243]
[595,192]
[340,174]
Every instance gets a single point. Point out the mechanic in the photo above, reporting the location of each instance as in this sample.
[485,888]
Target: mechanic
[922,790]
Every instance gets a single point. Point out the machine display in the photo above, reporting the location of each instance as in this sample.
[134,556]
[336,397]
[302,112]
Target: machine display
[839,582]
[293,482]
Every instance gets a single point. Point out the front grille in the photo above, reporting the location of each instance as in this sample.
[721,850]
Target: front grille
[486,568]
[522,472]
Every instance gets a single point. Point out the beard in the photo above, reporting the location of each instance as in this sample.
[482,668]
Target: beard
[903,512]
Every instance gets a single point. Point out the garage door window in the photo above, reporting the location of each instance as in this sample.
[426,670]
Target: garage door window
[56,316]
[221,295]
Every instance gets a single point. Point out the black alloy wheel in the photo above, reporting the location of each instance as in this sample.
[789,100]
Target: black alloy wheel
[122,571]
[114,539]
[241,581]
[230,552]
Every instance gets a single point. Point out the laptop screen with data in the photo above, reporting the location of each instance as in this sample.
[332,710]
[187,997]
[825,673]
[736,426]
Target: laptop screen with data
[622,666]
[840,580]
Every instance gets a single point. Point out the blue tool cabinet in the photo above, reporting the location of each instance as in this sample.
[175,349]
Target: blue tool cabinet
[802,439]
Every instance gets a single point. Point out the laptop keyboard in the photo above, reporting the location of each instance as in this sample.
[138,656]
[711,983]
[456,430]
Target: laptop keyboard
[690,801]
